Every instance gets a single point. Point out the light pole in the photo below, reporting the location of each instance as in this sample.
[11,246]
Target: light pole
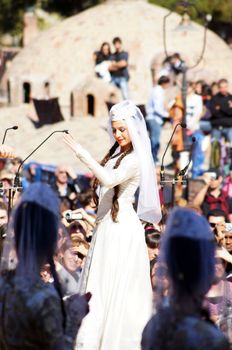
[186,26]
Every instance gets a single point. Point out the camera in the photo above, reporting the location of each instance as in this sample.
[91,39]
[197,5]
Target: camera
[70,216]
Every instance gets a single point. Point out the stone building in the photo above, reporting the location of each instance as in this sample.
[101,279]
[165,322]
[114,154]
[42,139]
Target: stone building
[62,57]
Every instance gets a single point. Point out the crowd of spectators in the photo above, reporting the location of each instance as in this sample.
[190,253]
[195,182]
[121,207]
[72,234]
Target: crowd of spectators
[208,119]
[78,214]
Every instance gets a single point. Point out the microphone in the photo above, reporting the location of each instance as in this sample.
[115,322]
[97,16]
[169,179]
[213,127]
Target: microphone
[12,128]
[162,175]
[16,180]
[184,170]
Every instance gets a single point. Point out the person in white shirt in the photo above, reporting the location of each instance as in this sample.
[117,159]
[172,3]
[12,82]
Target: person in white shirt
[194,110]
[156,113]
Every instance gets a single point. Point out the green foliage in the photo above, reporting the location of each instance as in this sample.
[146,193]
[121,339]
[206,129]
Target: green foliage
[11,14]
[221,10]
[12,11]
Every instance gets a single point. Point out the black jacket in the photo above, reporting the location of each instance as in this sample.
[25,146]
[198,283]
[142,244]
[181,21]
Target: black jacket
[221,110]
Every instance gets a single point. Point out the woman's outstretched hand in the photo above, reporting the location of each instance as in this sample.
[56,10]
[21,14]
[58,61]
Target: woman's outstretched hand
[69,140]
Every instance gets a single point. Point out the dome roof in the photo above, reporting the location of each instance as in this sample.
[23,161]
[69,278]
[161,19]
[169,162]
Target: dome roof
[63,55]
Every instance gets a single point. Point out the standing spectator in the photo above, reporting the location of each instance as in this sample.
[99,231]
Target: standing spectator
[176,114]
[194,109]
[102,62]
[199,87]
[205,123]
[221,109]
[156,113]
[119,68]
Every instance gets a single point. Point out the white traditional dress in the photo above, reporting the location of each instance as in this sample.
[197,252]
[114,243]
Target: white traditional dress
[117,267]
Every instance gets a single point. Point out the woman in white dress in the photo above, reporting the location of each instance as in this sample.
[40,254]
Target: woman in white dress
[117,267]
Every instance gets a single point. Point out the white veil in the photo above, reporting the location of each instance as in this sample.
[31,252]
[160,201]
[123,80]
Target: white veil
[148,203]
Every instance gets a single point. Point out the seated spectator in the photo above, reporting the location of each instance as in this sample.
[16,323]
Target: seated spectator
[228,247]
[219,298]
[79,220]
[70,266]
[152,237]
[85,201]
[102,62]
[165,68]
[159,279]
[227,184]
[63,187]
[3,214]
[217,221]
[211,195]
[221,109]
[119,68]
[177,63]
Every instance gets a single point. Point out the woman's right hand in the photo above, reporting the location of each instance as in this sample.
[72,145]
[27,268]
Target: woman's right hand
[71,142]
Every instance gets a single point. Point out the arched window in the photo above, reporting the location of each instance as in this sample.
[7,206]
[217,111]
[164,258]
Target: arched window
[91,104]
[26,92]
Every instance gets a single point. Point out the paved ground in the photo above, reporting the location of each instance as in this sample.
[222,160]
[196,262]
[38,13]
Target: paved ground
[89,131]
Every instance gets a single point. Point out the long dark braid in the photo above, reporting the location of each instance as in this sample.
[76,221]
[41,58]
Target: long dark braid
[57,286]
[115,205]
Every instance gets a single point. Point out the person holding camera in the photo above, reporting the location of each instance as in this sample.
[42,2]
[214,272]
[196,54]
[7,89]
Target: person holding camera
[118,264]
[211,195]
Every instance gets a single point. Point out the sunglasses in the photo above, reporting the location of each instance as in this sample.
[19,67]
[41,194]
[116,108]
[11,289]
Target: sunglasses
[212,224]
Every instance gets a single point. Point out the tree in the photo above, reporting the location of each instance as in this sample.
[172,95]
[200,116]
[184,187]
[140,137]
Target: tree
[221,10]
[12,11]
[11,15]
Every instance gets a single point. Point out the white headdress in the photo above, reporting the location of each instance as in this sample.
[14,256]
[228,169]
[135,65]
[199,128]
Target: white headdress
[148,203]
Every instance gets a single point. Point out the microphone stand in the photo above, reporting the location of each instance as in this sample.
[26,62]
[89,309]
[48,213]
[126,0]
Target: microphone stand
[162,172]
[184,172]
[13,128]
[17,184]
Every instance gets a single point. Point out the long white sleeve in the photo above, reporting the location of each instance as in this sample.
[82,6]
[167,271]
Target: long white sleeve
[110,178]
